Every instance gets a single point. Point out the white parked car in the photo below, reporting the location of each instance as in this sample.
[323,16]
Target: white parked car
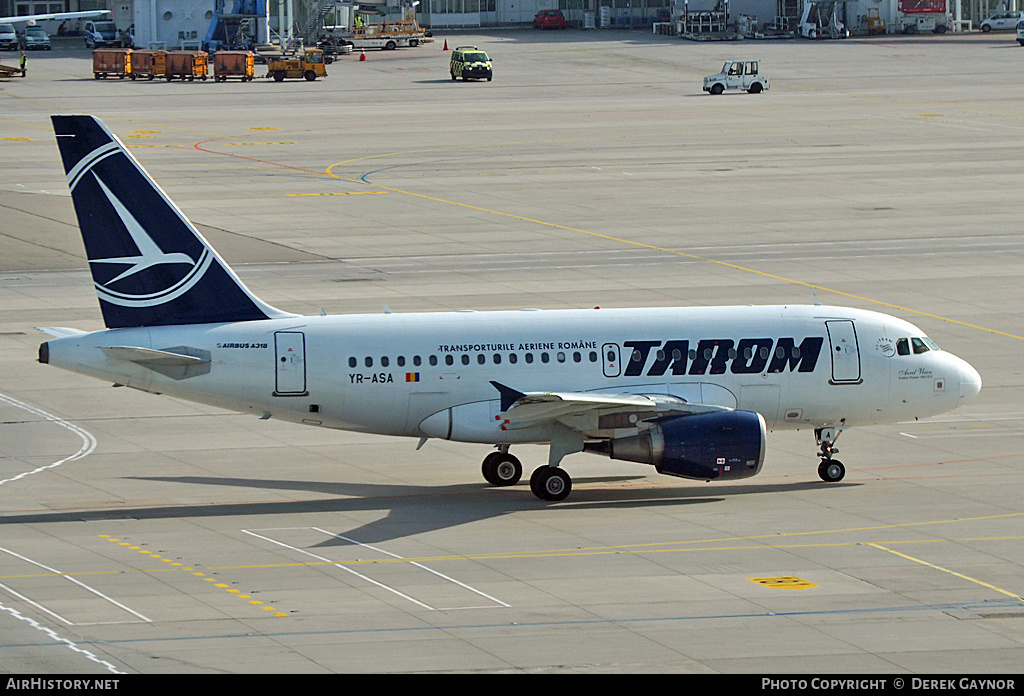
[737,74]
[1002,20]
[8,37]
[1020,33]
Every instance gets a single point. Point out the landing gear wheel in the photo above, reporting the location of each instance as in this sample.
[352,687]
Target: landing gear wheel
[502,469]
[831,470]
[550,483]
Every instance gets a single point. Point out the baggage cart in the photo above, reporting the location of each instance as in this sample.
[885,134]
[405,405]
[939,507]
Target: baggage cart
[111,61]
[186,65]
[148,64]
[238,64]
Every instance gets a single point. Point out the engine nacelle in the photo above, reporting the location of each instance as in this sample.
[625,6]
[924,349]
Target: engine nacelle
[720,445]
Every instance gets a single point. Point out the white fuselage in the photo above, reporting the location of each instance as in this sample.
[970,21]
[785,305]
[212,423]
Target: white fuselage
[430,375]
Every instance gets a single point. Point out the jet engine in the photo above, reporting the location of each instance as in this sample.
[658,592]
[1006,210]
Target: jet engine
[721,445]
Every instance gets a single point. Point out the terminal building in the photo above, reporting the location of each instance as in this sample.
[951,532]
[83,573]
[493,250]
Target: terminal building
[174,24]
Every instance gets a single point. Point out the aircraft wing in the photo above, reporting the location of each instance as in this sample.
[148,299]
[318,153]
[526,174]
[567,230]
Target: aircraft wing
[591,411]
[91,14]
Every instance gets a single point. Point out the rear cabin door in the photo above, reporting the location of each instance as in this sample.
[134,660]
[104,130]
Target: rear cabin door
[290,353]
[842,336]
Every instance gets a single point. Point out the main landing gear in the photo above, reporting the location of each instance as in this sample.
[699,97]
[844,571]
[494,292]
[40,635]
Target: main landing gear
[829,470]
[547,482]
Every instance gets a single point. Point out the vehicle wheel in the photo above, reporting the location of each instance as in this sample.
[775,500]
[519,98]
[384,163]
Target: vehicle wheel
[278,77]
[488,79]
[1021,43]
[309,75]
[755,88]
[986,28]
[717,89]
[390,46]
[550,483]
[170,77]
[96,75]
[940,29]
[502,469]
[453,77]
[831,470]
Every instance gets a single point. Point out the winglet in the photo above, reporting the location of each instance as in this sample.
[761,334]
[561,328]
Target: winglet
[508,395]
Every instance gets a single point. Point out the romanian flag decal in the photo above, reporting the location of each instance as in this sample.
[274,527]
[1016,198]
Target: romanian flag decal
[412,376]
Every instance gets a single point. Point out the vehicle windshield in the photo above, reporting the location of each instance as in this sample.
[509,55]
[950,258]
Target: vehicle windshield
[37,31]
[105,26]
[6,28]
[476,57]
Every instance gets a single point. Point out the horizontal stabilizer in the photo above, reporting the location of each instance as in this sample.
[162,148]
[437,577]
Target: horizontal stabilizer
[180,362]
[148,356]
[59,331]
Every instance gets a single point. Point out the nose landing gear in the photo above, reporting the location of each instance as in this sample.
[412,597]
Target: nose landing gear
[829,470]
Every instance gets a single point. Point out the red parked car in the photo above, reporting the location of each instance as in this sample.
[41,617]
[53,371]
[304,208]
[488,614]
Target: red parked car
[549,19]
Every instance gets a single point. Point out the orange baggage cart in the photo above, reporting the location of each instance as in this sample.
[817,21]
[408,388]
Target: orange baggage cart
[111,61]
[227,64]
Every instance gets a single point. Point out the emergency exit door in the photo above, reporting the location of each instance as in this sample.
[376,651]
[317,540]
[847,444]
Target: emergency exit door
[290,354]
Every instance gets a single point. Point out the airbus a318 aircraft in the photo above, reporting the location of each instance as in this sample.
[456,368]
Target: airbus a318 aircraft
[691,391]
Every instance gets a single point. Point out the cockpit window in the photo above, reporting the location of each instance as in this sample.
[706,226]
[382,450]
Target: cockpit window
[919,344]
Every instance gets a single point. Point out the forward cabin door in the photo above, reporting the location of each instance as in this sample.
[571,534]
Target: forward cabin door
[842,336]
[290,353]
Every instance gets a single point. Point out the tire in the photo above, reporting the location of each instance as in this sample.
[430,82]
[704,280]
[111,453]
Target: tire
[831,470]
[502,469]
[986,28]
[717,88]
[390,46]
[550,483]
[940,29]
[454,78]
[309,75]
[279,77]
[755,88]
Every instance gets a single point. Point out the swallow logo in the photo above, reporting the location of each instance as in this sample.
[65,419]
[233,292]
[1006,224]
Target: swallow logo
[166,286]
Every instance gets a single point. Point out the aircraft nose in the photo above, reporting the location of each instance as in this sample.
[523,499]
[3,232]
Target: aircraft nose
[970,381]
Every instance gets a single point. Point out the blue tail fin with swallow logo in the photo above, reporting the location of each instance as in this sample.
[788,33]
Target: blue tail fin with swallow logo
[150,266]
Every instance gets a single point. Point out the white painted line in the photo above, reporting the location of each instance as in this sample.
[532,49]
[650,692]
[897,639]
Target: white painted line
[88,441]
[76,582]
[341,567]
[53,635]
[417,564]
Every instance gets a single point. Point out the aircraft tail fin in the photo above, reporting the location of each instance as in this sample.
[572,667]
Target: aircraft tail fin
[150,265]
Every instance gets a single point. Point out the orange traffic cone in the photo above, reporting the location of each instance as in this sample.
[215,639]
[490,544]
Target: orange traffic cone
[362,54]
[446,44]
